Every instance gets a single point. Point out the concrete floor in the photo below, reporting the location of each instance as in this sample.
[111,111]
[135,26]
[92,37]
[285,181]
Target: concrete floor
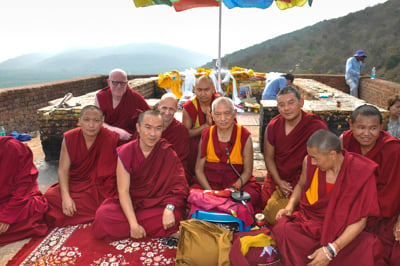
[48,172]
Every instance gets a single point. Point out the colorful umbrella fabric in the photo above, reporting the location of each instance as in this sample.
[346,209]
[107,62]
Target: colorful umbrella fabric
[285,4]
[248,3]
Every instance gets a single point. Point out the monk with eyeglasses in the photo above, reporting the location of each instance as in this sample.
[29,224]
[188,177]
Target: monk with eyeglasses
[120,105]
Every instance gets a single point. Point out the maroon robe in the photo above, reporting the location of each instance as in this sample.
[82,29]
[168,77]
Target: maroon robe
[194,141]
[21,203]
[220,175]
[126,114]
[386,153]
[156,181]
[91,177]
[178,135]
[352,198]
[289,149]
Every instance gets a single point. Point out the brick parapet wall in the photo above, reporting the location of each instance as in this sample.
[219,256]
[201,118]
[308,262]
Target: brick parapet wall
[335,81]
[378,91]
[18,105]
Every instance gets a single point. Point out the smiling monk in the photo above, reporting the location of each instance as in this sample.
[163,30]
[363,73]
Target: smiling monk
[367,138]
[152,188]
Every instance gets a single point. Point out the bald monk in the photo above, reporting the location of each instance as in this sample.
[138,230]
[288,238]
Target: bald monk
[86,172]
[213,170]
[196,115]
[22,205]
[285,141]
[367,137]
[174,131]
[152,187]
[121,106]
[336,193]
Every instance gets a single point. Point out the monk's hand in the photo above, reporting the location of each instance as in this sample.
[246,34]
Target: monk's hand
[396,230]
[209,120]
[4,227]
[286,188]
[168,219]
[123,134]
[318,258]
[68,206]
[137,231]
[283,212]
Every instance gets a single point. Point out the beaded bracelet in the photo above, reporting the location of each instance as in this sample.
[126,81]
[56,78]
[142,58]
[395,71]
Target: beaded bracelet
[326,254]
[331,249]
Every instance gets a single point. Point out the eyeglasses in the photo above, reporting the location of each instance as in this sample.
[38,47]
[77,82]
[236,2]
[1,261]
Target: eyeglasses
[116,83]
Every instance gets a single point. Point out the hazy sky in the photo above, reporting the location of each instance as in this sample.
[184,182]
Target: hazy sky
[51,25]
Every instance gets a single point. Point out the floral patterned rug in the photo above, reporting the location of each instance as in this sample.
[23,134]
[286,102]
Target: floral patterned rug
[75,245]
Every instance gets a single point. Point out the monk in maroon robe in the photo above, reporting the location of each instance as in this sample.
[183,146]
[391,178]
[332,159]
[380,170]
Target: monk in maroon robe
[121,106]
[174,131]
[285,142]
[86,171]
[196,116]
[367,138]
[152,187]
[213,170]
[21,203]
[336,192]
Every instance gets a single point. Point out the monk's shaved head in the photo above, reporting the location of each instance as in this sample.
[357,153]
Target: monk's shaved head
[168,96]
[92,108]
[366,110]
[287,90]
[223,100]
[325,141]
[153,112]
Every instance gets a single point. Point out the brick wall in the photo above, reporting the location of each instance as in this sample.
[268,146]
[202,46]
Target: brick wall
[18,105]
[374,91]
[334,81]
[378,91]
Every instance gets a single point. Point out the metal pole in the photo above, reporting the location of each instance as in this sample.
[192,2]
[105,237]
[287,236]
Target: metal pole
[219,47]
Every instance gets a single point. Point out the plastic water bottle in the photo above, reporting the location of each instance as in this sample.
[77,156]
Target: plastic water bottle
[373,73]
[2,131]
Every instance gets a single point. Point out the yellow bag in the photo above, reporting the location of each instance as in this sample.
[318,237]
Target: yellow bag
[276,202]
[203,243]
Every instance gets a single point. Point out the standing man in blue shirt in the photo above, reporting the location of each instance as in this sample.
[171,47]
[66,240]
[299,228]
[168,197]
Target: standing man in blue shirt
[354,66]
[274,86]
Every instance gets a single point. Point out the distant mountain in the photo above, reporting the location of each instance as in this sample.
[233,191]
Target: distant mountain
[324,47]
[142,58]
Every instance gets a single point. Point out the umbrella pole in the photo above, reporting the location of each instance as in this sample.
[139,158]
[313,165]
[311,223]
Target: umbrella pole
[219,48]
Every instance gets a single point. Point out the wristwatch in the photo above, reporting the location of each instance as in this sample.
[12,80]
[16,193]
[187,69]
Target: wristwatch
[170,207]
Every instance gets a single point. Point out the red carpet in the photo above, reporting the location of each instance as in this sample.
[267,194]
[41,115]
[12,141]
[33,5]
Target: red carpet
[75,245]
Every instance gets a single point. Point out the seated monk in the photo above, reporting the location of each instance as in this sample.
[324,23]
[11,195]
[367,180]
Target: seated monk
[174,131]
[336,192]
[86,172]
[213,170]
[121,106]
[366,137]
[21,203]
[152,187]
[285,141]
[196,116]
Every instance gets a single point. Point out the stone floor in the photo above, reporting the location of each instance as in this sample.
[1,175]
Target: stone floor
[48,171]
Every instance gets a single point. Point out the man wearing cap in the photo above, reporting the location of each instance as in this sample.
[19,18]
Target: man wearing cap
[354,65]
